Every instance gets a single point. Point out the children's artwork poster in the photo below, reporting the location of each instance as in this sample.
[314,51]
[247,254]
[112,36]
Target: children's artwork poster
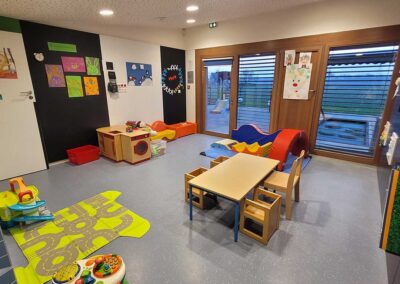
[172,80]
[305,59]
[55,76]
[8,70]
[74,85]
[73,64]
[290,56]
[297,82]
[139,74]
[93,66]
[91,86]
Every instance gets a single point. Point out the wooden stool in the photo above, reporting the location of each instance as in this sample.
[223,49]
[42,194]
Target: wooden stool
[265,213]
[218,161]
[198,195]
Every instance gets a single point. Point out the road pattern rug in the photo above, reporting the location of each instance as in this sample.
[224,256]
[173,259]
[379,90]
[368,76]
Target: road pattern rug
[76,232]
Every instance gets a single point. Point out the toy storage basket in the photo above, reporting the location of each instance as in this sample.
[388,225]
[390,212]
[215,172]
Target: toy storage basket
[84,154]
[158,147]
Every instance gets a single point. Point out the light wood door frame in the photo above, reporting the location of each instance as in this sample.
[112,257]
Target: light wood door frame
[232,97]
[379,35]
[387,108]
[313,98]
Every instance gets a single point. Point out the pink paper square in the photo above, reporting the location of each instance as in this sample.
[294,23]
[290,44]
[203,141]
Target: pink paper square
[73,64]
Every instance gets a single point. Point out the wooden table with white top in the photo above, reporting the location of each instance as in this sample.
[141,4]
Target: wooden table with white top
[233,179]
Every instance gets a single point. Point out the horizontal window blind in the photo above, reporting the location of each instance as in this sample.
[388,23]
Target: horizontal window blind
[256,79]
[356,87]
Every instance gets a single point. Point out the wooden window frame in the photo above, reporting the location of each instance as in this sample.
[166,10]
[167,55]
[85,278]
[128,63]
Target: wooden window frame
[322,42]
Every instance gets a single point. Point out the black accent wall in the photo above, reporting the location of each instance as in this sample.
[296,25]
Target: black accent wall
[64,122]
[173,79]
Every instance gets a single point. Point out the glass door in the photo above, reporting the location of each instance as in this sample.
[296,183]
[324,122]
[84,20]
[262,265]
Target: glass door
[217,94]
[256,81]
[356,88]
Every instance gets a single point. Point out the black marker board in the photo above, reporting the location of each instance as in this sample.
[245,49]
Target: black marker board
[64,122]
[173,84]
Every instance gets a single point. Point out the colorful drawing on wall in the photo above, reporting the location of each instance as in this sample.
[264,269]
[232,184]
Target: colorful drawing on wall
[139,74]
[91,86]
[390,237]
[305,59]
[172,80]
[290,56]
[74,84]
[297,82]
[73,64]
[93,66]
[55,76]
[8,69]
[63,47]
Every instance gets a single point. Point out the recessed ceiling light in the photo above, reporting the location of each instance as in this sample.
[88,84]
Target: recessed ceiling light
[192,8]
[191,21]
[106,12]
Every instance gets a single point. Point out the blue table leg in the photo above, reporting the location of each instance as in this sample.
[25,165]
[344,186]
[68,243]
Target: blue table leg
[236,229]
[190,203]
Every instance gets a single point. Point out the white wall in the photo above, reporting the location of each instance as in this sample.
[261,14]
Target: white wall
[310,19]
[138,103]
[191,92]
[167,37]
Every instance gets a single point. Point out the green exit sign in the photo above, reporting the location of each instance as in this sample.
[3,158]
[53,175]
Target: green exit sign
[212,25]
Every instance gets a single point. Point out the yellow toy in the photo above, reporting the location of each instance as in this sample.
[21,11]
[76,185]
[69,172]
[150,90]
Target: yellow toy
[253,149]
[21,204]
[162,131]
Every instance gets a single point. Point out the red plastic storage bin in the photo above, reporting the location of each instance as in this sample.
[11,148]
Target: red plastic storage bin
[84,154]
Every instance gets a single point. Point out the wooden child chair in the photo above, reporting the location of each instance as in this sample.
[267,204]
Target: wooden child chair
[198,195]
[280,181]
[266,214]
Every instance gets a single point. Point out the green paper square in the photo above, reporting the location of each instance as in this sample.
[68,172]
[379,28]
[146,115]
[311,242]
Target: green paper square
[93,66]
[74,84]
[63,47]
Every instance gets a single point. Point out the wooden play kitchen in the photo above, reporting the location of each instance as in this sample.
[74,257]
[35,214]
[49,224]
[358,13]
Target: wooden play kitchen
[233,179]
[136,146]
[117,144]
[110,141]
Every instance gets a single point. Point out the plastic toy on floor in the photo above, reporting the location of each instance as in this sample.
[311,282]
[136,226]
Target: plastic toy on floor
[183,128]
[253,149]
[22,204]
[289,140]
[104,269]
[249,139]
[162,131]
[250,134]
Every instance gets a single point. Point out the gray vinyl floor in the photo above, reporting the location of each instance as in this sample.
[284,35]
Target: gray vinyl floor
[333,237]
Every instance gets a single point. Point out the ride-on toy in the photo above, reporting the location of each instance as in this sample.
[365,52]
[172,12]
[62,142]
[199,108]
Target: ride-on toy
[105,269]
[20,204]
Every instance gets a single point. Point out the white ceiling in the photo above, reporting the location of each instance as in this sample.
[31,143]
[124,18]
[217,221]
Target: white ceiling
[139,13]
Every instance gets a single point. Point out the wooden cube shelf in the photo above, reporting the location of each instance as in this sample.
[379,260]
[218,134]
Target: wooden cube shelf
[218,161]
[198,195]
